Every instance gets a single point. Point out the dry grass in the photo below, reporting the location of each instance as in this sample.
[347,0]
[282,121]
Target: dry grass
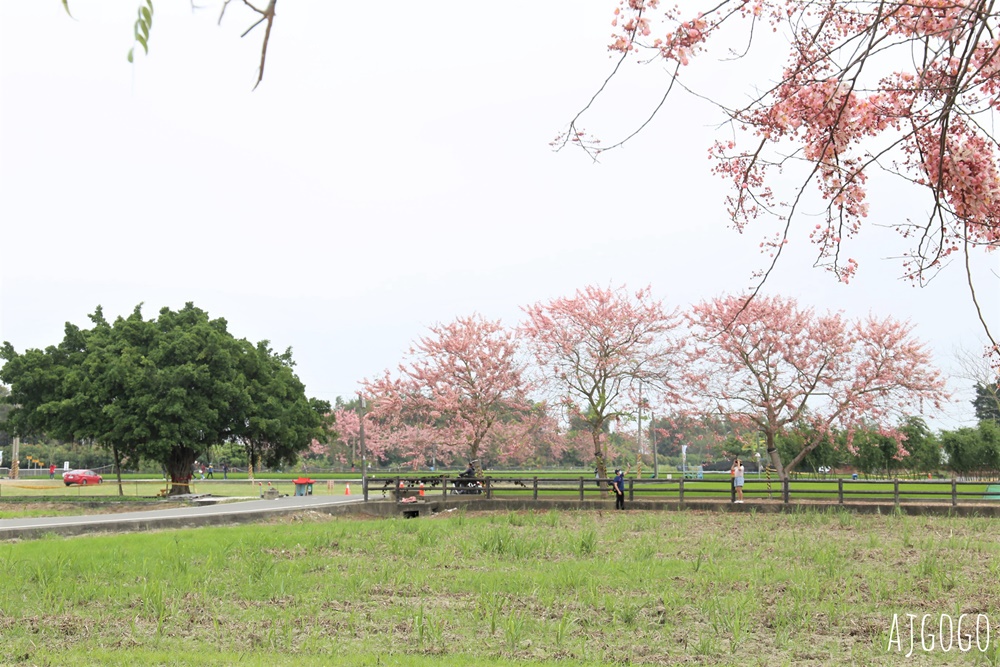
[684,588]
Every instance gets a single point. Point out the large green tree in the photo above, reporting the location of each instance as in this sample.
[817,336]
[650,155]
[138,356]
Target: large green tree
[4,410]
[164,389]
[987,402]
[973,451]
[282,422]
[878,454]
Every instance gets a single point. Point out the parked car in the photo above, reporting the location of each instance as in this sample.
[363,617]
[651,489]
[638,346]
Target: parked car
[83,477]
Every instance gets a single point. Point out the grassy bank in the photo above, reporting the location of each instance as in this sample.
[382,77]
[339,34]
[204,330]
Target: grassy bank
[547,588]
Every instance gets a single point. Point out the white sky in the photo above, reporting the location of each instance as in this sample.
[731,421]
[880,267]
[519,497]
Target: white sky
[393,170]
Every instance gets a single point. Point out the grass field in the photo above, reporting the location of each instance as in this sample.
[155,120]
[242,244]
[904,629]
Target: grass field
[569,588]
[551,485]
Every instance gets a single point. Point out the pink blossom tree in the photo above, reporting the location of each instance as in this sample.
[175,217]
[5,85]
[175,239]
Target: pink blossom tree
[770,365]
[595,348]
[317,450]
[460,390]
[904,87]
[549,445]
[347,423]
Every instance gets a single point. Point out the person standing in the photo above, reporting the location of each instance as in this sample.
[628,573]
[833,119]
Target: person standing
[619,485]
[52,471]
[225,471]
[737,473]
[211,471]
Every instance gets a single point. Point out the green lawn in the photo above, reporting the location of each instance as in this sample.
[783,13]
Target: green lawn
[553,588]
[718,486]
[551,485]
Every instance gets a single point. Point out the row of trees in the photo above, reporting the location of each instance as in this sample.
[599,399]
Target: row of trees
[764,366]
[974,451]
[570,384]
[714,439]
[164,390]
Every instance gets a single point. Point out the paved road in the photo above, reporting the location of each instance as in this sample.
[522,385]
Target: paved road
[225,513]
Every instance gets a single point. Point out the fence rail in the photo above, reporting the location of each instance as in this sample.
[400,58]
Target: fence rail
[681,489]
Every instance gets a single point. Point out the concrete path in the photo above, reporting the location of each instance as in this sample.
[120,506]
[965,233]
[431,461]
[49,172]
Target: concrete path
[222,514]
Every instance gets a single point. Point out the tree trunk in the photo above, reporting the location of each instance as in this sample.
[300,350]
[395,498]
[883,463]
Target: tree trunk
[116,455]
[179,464]
[477,465]
[772,451]
[599,462]
[251,456]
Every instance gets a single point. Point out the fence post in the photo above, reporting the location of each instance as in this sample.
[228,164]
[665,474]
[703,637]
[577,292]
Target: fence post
[895,492]
[534,489]
[785,491]
[840,490]
[489,488]
[581,488]
[444,486]
[631,490]
[954,492]
[680,491]
[364,487]
[397,490]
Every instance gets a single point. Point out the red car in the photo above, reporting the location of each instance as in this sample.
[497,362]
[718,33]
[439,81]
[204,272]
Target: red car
[83,477]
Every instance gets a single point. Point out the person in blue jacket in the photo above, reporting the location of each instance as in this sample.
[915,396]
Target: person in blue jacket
[619,486]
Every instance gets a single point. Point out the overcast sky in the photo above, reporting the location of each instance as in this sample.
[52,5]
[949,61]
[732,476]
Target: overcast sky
[393,170]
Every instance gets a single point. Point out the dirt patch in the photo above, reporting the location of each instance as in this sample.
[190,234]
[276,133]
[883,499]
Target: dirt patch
[46,508]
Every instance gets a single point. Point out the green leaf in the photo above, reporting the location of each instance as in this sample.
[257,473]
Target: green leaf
[145,31]
[146,15]
[130,54]
[66,7]
[142,40]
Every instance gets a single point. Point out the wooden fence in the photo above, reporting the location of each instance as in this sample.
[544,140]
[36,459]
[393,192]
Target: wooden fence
[680,489]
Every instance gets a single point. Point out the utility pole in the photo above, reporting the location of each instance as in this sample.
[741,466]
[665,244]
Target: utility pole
[361,438]
[652,437]
[638,435]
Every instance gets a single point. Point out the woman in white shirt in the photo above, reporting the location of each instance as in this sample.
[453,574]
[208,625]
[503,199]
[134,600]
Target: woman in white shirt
[737,472]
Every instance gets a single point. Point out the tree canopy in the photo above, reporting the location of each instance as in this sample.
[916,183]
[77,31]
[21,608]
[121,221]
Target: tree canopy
[973,451]
[901,87]
[772,366]
[987,402]
[461,390]
[597,348]
[163,389]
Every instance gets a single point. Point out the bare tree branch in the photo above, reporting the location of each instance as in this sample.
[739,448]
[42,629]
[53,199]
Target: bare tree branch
[267,14]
